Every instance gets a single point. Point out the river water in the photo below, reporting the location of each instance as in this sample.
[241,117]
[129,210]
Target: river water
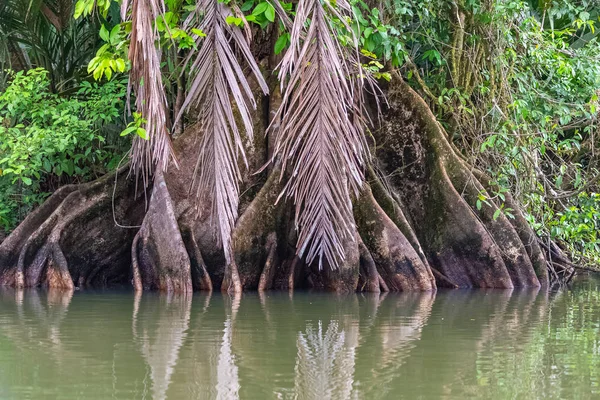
[451,344]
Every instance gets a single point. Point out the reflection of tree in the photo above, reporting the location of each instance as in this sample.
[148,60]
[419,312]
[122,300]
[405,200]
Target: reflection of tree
[552,351]
[482,344]
[38,313]
[228,384]
[387,342]
[56,345]
[467,333]
[161,337]
[206,368]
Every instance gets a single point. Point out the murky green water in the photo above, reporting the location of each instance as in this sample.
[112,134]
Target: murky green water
[453,344]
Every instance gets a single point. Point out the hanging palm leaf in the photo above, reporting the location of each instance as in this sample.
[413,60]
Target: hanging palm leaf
[153,151]
[321,135]
[219,86]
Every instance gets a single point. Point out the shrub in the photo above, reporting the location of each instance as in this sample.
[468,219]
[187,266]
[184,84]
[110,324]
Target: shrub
[47,140]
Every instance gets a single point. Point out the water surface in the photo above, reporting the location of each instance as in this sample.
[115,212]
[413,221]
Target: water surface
[450,344]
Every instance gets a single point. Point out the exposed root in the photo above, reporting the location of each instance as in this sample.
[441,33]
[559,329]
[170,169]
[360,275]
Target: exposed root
[498,225]
[268,273]
[467,246]
[528,238]
[159,256]
[292,273]
[255,235]
[560,268]
[397,262]
[394,209]
[343,279]
[57,274]
[369,280]
[232,283]
[71,240]
[200,278]
[442,281]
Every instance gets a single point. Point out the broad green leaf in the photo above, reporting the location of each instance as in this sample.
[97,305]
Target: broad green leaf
[497,214]
[282,43]
[261,8]
[247,5]
[270,13]
[104,35]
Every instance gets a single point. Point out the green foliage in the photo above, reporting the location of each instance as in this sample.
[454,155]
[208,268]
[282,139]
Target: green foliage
[86,7]
[136,126]
[282,43]
[112,56]
[47,140]
[37,34]
[542,143]
[262,13]
[516,84]
[377,35]
[578,225]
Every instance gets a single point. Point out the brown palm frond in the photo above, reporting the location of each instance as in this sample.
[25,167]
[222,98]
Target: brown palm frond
[220,90]
[321,135]
[146,81]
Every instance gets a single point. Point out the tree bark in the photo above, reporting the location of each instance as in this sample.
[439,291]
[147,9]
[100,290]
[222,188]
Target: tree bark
[417,227]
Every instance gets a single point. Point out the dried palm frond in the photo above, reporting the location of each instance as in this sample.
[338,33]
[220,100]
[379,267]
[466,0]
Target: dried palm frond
[146,80]
[220,90]
[321,134]
[282,14]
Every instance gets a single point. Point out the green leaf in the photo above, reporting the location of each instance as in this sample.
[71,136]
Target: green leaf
[247,5]
[104,34]
[198,32]
[270,13]
[231,20]
[97,74]
[114,34]
[92,65]
[120,64]
[142,133]
[26,180]
[261,8]
[128,130]
[497,214]
[79,8]
[282,42]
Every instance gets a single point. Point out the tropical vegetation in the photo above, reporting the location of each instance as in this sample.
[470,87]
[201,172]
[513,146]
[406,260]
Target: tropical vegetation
[340,110]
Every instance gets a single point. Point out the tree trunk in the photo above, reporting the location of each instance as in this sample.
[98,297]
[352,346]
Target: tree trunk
[416,229]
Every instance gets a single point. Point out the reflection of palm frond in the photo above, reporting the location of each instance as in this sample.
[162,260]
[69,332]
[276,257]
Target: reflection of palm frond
[228,382]
[324,364]
[321,132]
[217,75]
[146,80]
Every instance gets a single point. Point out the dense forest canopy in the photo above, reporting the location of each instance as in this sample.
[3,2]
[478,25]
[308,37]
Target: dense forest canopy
[298,103]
